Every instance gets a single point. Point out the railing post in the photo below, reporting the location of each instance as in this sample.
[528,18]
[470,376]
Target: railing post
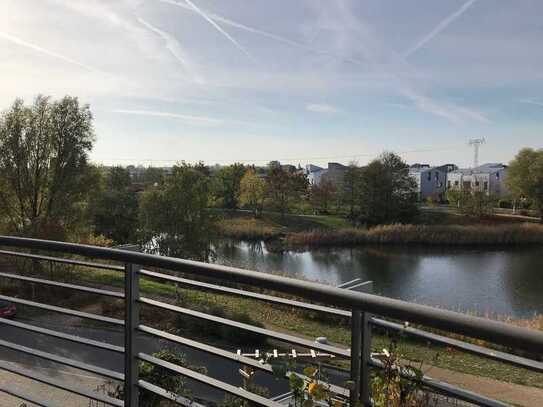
[131,320]
[365,373]
[356,347]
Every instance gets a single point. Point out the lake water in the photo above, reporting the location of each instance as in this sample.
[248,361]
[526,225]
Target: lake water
[487,282]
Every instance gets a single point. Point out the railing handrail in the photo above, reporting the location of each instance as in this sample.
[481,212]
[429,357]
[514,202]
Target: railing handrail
[387,325]
[493,331]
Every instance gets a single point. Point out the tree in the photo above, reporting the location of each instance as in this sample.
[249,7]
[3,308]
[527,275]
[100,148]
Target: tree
[153,175]
[174,219]
[350,188]
[525,177]
[455,197]
[387,192]
[44,170]
[472,203]
[322,195]
[252,191]
[477,204]
[115,207]
[284,187]
[229,179]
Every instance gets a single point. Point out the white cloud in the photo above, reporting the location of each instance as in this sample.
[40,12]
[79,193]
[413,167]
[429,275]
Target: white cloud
[321,108]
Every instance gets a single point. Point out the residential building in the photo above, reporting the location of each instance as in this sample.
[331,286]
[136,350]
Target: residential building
[334,173]
[489,178]
[431,181]
[314,174]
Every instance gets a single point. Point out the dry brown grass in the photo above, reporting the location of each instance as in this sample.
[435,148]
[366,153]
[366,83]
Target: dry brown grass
[508,234]
[533,323]
[247,229]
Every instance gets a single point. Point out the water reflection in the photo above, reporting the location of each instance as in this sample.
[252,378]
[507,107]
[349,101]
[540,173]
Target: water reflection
[489,282]
[524,279]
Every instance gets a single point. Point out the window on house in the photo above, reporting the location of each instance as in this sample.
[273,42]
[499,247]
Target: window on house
[449,184]
[476,183]
[429,175]
[485,186]
[456,183]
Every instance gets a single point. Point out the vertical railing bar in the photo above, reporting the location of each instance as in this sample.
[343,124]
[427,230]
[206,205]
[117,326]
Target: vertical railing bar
[131,319]
[365,371]
[356,347]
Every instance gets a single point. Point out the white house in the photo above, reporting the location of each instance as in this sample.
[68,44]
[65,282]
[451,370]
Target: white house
[334,173]
[489,178]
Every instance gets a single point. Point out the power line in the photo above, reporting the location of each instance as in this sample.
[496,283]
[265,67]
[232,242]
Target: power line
[303,159]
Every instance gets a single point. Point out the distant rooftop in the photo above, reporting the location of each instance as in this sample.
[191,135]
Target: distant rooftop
[485,168]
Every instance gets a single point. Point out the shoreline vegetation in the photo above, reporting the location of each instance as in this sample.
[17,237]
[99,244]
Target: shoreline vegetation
[299,232]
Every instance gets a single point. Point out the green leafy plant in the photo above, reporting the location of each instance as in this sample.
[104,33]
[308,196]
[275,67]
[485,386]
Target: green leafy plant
[309,389]
[156,375]
[399,382]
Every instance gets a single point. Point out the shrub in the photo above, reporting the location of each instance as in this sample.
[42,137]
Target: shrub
[159,376]
[505,204]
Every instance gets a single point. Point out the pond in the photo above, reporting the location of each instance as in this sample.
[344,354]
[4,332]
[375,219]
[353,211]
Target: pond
[489,282]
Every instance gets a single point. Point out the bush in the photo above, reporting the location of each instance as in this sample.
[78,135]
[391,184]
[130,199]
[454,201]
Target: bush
[505,204]
[162,377]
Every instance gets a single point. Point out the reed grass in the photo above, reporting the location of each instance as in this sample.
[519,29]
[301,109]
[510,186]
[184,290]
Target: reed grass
[456,235]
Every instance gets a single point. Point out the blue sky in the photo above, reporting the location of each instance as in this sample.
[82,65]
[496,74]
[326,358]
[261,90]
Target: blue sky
[300,81]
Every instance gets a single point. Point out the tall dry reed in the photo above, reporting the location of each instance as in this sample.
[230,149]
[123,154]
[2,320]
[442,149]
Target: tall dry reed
[507,234]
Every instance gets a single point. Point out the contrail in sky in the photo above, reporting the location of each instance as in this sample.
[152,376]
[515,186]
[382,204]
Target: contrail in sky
[421,101]
[284,40]
[200,120]
[44,51]
[175,49]
[531,102]
[218,28]
[438,28]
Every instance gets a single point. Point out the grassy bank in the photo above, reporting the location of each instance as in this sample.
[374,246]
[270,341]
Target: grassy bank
[293,232]
[242,225]
[285,319]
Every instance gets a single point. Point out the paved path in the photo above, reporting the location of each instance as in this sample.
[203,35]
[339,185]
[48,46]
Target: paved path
[43,392]
[508,392]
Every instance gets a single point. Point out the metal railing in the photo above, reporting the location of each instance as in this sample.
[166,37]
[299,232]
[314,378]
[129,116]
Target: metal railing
[364,310]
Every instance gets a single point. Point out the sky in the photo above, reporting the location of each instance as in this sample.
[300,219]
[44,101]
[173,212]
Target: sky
[306,81]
